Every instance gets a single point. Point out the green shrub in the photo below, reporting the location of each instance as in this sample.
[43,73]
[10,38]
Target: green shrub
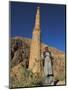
[28,79]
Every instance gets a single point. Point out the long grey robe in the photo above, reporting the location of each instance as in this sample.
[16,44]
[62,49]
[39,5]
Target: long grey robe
[48,70]
[47,64]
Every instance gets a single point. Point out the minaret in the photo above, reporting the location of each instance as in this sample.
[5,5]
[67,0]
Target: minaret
[34,60]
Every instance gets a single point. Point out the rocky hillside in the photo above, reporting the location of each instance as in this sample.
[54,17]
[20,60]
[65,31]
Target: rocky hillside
[19,57]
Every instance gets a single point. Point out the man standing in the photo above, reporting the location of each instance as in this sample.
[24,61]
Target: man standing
[48,69]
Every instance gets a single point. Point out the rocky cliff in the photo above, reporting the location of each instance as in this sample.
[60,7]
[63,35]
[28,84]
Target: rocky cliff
[19,59]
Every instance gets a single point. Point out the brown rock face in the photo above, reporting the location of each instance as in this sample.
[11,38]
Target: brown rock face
[21,55]
[19,52]
[19,61]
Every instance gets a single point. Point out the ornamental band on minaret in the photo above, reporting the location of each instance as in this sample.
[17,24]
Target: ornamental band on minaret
[34,60]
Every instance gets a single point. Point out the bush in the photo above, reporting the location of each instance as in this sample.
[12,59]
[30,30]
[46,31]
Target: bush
[27,79]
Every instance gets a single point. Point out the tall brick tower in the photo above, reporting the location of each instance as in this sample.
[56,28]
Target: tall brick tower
[34,60]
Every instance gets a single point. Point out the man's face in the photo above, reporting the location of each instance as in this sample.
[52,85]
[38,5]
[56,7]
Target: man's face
[46,48]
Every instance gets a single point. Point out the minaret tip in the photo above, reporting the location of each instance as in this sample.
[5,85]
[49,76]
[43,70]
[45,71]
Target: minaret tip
[37,20]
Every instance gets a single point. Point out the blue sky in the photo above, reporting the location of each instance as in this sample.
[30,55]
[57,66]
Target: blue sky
[22,17]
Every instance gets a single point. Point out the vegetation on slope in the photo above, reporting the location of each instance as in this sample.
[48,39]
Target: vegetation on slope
[20,76]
